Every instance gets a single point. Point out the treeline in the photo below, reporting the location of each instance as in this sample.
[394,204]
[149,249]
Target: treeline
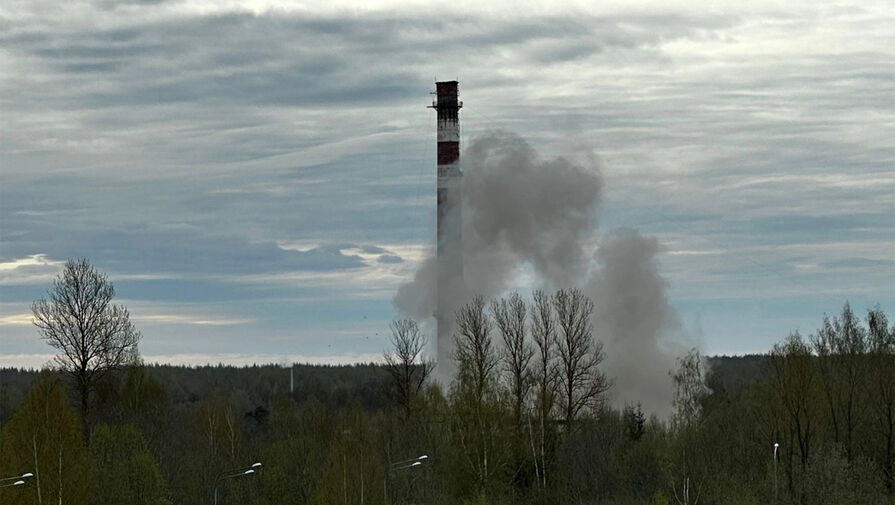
[525,421]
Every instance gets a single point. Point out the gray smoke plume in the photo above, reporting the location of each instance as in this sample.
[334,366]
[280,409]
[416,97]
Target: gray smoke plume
[634,320]
[520,210]
[522,214]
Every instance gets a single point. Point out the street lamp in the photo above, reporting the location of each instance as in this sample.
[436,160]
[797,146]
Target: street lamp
[401,465]
[229,474]
[24,476]
[409,463]
[776,446]
[20,480]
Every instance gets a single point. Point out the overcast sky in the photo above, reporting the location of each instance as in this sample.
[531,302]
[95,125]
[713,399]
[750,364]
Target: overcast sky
[257,178]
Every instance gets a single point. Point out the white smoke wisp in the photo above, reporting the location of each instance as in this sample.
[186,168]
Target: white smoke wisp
[522,214]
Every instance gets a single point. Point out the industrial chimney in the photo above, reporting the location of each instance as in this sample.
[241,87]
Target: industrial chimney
[448,241]
[448,108]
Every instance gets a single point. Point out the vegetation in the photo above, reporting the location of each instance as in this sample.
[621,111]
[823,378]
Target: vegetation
[525,422]
[93,335]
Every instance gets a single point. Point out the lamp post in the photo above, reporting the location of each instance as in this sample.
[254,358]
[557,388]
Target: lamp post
[401,465]
[409,463]
[229,474]
[776,446]
[24,476]
[20,480]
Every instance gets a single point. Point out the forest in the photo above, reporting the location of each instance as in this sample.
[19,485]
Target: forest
[525,421]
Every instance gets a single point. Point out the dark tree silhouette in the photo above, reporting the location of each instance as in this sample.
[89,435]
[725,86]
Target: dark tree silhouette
[581,382]
[406,363]
[93,335]
[510,316]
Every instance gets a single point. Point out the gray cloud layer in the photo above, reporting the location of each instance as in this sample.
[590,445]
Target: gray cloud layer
[172,138]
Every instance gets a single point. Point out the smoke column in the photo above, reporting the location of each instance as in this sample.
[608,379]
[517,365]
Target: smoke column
[632,317]
[522,216]
[518,210]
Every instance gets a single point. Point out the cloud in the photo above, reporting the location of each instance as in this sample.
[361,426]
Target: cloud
[34,361]
[184,319]
[32,269]
[16,320]
[389,259]
[187,141]
[861,263]
[30,261]
[182,252]
[236,359]
[38,361]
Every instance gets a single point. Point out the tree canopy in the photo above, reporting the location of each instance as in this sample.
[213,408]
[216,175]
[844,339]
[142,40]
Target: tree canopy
[92,334]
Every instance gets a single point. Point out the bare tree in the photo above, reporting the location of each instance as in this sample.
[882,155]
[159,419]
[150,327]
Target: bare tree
[93,335]
[406,364]
[510,316]
[474,353]
[689,392]
[543,333]
[581,382]
[840,346]
[689,389]
[477,426]
[881,389]
[793,380]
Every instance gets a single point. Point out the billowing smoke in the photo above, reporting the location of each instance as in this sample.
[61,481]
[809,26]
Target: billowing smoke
[523,215]
[634,321]
[520,210]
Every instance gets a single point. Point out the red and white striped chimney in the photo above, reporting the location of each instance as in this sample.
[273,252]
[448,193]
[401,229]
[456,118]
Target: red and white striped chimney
[449,175]
[449,246]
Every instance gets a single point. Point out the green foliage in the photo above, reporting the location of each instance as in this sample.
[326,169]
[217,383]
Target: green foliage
[44,438]
[478,406]
[126,473]
[634,421]
[830,479]
[659,498]
[354,471]
[142,395]
[480,449]
[296,456]
[167,432]
[478,499]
